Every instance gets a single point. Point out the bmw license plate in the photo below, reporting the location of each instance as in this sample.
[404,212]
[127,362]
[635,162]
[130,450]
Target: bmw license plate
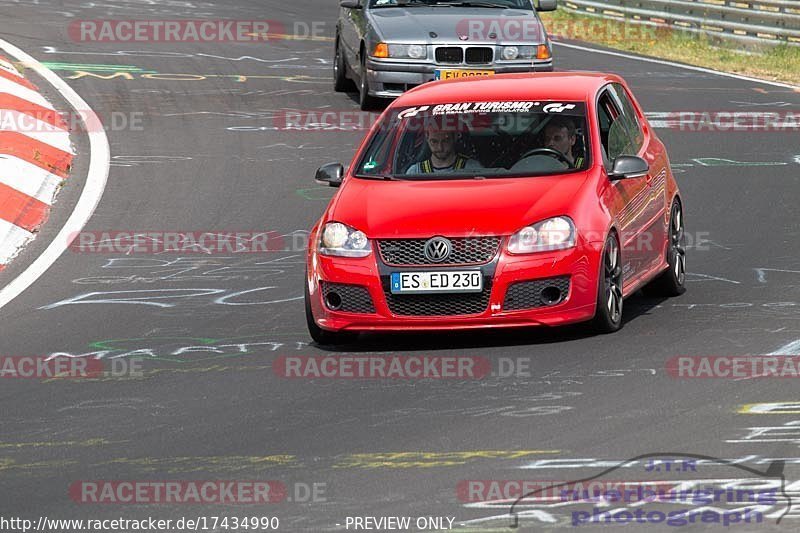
[451,74]
[441,282]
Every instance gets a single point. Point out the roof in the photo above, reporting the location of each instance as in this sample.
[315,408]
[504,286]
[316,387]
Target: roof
[567,86]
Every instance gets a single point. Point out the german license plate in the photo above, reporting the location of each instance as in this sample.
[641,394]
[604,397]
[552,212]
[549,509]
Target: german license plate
[426,282]
[451,74]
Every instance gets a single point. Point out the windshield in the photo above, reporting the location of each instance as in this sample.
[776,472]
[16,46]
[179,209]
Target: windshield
[516,4]
[478,139]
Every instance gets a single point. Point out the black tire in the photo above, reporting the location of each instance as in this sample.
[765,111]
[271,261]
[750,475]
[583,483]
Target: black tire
[672,282]
[608,315]
[367,102]
[323,336]
[340,82]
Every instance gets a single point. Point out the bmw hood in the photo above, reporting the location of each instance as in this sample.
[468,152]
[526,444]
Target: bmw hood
[453,208]
[452,24]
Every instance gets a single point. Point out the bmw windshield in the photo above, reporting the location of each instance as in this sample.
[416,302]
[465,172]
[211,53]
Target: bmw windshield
[478,139]
[515,4]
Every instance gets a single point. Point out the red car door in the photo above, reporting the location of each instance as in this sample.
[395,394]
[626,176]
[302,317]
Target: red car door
[653,230]
[627,198]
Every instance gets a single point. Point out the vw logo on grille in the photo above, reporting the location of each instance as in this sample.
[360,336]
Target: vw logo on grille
[438,249]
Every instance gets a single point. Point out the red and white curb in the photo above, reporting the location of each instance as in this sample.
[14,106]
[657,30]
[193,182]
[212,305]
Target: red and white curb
[35,158]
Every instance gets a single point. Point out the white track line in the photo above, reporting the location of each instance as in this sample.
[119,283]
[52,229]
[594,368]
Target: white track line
[793,348]
[16,89]
[8,67]
[13,236]
[96,178]
[28,179]
[38,130]
[677,65]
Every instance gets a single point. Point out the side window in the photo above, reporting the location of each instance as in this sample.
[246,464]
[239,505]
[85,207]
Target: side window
[614,135]
[631,120]
[376,160]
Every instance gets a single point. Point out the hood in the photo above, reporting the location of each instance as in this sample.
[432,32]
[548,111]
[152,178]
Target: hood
[453,208]
[415,24]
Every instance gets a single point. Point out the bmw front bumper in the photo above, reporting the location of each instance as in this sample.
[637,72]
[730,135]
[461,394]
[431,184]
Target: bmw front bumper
[389,79]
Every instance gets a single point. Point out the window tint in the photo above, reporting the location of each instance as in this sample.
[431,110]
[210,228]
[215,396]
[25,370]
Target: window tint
[615,131]
[631,120]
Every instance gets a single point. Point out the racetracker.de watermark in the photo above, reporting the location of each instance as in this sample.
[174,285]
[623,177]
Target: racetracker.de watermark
[214,492]
[598,491]
[382,367]
[198,242]
[517,30]
[58,367]
[734,121]
[734,367]
[34,119]
[194,31]
[41,367]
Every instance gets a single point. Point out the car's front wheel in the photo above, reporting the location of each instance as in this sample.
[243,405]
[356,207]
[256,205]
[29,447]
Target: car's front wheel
[673,281]
[608,315]
[323,336]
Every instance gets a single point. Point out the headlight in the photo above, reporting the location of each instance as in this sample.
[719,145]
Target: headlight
[407,51]
[342,240]
[510,53]
[552,234]
[401,51]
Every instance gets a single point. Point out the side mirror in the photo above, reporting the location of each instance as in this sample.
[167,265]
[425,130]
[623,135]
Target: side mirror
[350,4]
[330,174]
[628,166]
[547,5]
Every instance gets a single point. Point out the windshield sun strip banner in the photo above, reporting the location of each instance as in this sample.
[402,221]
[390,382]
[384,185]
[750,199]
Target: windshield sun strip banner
[497,106]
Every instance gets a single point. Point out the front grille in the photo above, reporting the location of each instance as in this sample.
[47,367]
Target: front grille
[478,56]
[438,304]
[449,54]
[465,251]
[355,298]
[528,294]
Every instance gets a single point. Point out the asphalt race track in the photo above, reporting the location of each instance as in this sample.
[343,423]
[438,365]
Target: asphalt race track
[210,155]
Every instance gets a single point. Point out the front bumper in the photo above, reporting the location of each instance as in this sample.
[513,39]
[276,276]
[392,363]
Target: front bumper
[581,264]
[389,79]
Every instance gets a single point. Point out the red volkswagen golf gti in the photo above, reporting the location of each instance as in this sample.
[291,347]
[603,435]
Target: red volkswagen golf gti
[515,200]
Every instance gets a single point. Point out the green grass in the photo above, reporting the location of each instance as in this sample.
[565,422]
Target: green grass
[777,63]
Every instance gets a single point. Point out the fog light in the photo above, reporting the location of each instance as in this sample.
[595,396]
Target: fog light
[333,301]
[550,295]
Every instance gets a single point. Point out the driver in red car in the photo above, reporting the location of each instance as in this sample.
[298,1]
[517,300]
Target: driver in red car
[442,143]
[560,134]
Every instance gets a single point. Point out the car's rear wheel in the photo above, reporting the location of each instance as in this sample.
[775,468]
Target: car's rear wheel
[340,82]
[608,315]
[323,336]
[366,101]
[673,281]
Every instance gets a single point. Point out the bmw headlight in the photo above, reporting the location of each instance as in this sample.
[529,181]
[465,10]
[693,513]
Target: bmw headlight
[341,240]
[511,53]
[556,233]
[408,51]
